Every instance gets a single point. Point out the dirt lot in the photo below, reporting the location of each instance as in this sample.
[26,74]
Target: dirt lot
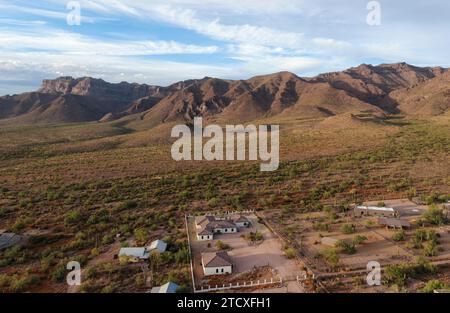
[246,257]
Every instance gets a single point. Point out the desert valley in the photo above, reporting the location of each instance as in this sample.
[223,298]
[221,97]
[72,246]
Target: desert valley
[86,175]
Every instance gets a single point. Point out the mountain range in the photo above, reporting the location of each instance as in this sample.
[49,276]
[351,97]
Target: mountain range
[382,89]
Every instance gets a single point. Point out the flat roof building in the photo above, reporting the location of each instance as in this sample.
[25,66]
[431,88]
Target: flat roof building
[363,210]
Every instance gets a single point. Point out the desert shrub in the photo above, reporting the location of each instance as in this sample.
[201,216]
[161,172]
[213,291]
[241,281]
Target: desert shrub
[253,237]
[72,217]
[359,239]
[221,245]
[433,285]
[127,205]
[400,273]
[108,239]
[4,280]
[430,249]
[345,247]
[18,225]
[348,228]
[331,257]
[399,236]
[20,283]
[141,235]
[290,253]
[318,226]
[59,273]
[435,216]
[110,288]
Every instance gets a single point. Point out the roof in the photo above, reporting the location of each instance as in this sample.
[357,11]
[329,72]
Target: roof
[241,219]
[395,222]
[9,239]
[166,288]
[159,245]
[221,224]
[205,231]
[141,253]
[204,219]
[216,259]
[375,208]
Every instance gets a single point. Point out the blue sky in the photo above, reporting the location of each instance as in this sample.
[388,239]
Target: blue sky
[164,41]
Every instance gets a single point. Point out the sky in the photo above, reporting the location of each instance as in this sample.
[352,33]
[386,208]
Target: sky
[164,41]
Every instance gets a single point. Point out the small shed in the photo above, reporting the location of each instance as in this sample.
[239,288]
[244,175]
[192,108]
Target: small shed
[135,254]
[158,246]
[8,240]
[166,288]
[394,222]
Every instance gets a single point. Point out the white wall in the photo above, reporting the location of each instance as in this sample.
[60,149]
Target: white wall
[225,230]
[205,237]
[208,271]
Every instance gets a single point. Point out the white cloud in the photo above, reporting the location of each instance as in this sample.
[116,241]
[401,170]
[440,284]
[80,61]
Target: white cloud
[73,43]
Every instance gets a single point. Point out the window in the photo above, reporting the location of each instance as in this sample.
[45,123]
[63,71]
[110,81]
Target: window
[203,238]
[222,270]
[217,270]
[226,229]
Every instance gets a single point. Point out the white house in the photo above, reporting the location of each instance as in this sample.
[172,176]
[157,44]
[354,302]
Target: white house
[205,234]
[166,288]
[216,263]
[207,226]
[158,246]
[135,254]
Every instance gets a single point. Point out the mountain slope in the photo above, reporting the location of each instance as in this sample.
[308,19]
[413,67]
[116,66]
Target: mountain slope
[386,88]
[428,99]
[373,84]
